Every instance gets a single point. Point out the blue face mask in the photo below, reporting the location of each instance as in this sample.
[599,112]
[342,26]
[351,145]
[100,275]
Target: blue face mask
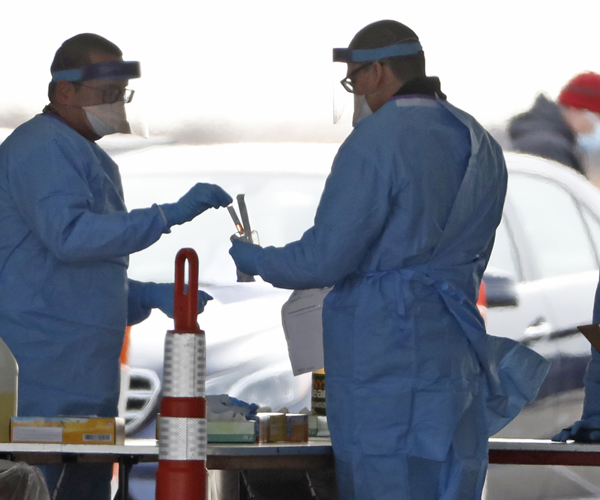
[590,141]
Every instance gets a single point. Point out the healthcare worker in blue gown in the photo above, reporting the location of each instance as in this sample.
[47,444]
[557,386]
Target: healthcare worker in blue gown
[587,430]
[65,238]
[403,231]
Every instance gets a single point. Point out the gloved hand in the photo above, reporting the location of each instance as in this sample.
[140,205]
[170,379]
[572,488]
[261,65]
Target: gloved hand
[198,199]
[162,296]
[245,256]
[583,431]
[222,403]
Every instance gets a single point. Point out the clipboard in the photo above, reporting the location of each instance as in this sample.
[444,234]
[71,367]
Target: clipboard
[592,333]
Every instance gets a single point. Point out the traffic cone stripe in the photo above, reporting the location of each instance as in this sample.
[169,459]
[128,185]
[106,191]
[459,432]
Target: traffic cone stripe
[185,365]
[182,438]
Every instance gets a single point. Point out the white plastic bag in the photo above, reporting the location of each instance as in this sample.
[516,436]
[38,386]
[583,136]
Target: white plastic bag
[19,481]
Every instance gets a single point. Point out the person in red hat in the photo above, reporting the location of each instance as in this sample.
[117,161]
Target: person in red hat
[565,129]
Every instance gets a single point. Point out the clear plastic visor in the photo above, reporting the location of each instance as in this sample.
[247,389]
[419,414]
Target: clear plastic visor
[119,97]
[137,110]
[342,99]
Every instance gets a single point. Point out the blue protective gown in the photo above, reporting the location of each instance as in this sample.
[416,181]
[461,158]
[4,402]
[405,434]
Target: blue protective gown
[64,245]
[404,230]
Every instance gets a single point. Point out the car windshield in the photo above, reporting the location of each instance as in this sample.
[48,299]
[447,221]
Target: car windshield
[282,192]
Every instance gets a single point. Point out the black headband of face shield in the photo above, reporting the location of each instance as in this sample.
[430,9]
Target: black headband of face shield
[110,70]
[406,47]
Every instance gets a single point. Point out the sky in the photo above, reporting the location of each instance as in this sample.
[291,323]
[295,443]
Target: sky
[262,70]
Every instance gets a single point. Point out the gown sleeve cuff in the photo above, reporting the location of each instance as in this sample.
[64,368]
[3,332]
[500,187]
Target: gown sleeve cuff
[136,312]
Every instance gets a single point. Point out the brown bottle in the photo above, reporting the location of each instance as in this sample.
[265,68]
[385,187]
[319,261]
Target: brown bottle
[318,393]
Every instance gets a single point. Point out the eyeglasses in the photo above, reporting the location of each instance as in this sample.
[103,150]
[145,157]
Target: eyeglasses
[111,95]
[348,82]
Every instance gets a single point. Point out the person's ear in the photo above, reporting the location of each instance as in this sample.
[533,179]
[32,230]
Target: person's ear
[377,73]
[64,91]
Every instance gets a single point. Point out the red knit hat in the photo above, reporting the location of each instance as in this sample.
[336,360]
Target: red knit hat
[583,91]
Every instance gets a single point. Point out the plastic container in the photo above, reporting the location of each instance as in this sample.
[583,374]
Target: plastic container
[9,383]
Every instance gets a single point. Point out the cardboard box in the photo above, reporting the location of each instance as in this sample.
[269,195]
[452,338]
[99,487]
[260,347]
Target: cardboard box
[297,427]
[271,427]
[317,426]
[230,432]
[282,427]
[67,430]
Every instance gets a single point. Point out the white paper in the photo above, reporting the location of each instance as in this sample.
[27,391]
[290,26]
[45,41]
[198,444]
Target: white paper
[302,318]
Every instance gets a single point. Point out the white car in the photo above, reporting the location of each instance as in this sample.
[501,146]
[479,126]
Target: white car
[540,286]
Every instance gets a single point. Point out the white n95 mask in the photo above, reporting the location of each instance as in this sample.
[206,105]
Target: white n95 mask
[361,109]
[106,119]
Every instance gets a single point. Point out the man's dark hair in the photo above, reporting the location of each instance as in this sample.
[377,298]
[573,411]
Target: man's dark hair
[385,33]
[75,53]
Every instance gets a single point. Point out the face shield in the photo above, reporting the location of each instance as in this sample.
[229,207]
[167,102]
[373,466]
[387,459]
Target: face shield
[109,114]
[343,84]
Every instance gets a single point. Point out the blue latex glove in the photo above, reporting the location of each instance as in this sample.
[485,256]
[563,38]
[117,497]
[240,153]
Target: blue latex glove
[222,403]
[161,296]
[198,199]
[583,431]
[245,256]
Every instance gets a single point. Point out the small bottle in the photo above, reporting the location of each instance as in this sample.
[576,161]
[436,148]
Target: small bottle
[318,393]
[9,382]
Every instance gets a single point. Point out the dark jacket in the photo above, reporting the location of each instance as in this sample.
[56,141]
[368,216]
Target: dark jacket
[543,131]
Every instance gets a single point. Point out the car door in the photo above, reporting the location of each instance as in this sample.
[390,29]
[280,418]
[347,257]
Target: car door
[564,262]
[511,255]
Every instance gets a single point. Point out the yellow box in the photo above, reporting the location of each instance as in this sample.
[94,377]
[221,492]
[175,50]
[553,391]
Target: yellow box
[278,428]
[67,430]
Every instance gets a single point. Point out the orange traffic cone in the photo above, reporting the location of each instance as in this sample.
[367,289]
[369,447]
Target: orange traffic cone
[181,472]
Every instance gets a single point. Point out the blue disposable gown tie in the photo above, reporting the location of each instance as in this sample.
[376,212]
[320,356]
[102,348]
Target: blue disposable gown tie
[64,245]
[404,231]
